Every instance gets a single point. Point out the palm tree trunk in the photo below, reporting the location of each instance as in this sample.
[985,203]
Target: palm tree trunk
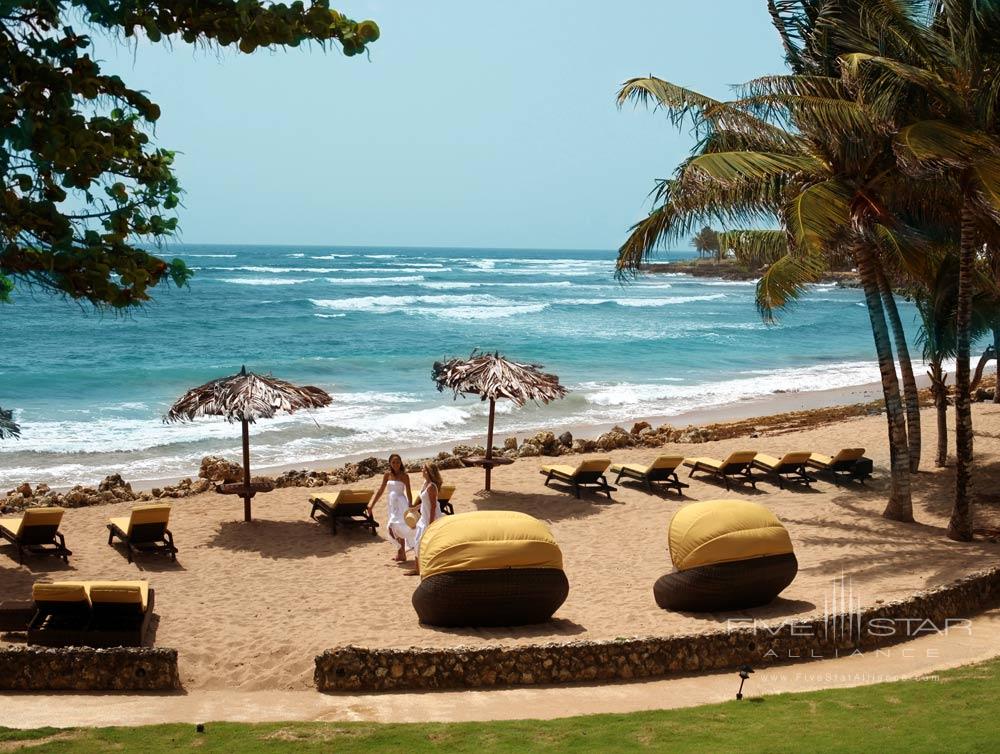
[940,392]
[960,525]
[996,351]
[900,505]
[910,396]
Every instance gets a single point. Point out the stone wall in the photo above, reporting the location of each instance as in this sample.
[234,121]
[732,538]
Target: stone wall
[361,669]
[84,669]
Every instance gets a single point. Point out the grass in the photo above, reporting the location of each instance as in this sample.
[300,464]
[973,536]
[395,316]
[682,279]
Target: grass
[952,711]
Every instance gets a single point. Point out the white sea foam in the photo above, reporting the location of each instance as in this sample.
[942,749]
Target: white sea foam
[274,270]
[297,255]
[380,256]
[640,302]
[212,256]
[266,281]
[332,256]
[329,316]
[388,280]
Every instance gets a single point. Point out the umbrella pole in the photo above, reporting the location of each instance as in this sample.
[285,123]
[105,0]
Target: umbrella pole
[246,470]
[489,443]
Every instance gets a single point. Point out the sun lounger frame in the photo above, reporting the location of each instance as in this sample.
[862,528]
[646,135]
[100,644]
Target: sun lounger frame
[791,473]
[844,470]
[38,539]
[155,537]
[595,480]
[344,513]
[739,472]
[666,477]
[108,626]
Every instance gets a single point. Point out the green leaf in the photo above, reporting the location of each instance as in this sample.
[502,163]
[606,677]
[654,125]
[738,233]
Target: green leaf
[818,216]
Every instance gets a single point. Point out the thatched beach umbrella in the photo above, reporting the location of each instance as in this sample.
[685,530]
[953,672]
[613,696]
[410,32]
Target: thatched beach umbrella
[245,398]
[492,377]
[8,427]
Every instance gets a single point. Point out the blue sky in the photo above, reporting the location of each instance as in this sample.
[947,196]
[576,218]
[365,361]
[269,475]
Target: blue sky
[473,124]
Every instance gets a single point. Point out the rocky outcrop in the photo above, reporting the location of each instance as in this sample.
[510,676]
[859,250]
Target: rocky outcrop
[219,470]
[615,439]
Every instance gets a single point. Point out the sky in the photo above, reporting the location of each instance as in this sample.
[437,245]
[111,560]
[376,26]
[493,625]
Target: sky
[472,124]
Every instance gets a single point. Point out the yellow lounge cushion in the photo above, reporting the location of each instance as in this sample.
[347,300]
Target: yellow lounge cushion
[483,540]
[345,496]
[119,593]
[722,531]
[845,455]
[711,463]
[13,525]
[597,464]
[662,462]
[150,514]
[789,459]
[121,523]
[634,467]
[59,591]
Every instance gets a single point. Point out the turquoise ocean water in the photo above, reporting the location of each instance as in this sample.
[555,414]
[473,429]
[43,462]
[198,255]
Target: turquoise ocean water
[366,324]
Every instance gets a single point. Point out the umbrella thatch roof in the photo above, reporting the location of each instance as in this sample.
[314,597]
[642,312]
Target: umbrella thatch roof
[8,427]
[246,397]
[491,376]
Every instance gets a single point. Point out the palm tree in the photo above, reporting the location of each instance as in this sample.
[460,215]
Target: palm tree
[797,149]
[943,99]
[707,242]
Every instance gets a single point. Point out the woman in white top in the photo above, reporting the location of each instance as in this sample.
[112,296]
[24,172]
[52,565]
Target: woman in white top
[429,510]
[398,482]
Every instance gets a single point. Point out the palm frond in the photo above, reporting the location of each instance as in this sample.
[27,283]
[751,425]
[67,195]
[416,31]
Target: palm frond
[818,217]
[931,146]
[785,281]
[8,427]
[755,248]
[731,168]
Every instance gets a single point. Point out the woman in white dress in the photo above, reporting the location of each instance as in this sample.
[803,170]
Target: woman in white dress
[429,510]
[398,482]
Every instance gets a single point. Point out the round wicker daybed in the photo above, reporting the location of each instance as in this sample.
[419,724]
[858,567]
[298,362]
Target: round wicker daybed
[728,555]
[489,568]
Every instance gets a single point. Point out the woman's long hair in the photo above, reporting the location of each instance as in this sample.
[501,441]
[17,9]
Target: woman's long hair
[434,473]
[402,468]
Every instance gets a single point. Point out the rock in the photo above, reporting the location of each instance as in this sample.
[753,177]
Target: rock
[510,443]
[202,485]
[156,492]
[566,439]
[638,427]
[449,462]
[544,441]
[42,489]
[468,450]
[528,449]
[694,435]
[114,482]
[216,469]
[24,490]
[371,466]
[584,446]
[615,439]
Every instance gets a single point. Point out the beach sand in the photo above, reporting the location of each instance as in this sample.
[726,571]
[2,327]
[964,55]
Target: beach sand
[248,606]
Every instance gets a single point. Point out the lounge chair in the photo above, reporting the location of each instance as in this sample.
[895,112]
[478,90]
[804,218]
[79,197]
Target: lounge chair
[736,467]
[91,613]
[791,467]
[585,474]
[444,499]
[849,464]
[347,507]
[662,471]
[144,530]
[37,531]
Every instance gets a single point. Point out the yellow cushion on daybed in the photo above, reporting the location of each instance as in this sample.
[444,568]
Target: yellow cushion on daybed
[59,591]
[119,593]
[483,540]
[721,531]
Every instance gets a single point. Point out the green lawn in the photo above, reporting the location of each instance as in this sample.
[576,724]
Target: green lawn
[954,711]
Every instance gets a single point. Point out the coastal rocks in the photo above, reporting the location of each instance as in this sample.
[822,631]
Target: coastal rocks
[303,478]
[639,427]
[216,469]
[566,439]
[545,442]
[584,446]
[510,443]
[615,439]
[528,449]
[114,483]
[694,435]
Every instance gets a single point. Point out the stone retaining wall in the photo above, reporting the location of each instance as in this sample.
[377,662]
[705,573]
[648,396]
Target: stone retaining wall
[85,669]
[360,669]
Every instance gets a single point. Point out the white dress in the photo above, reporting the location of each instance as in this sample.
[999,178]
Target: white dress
[426,509]
[398,504]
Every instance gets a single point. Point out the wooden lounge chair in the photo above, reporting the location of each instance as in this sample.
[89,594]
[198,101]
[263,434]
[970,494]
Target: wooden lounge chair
[91,614]
[585,474]
[661,471]
[849,464]
[347,507]
[736,467]
[37,531]
[791,467]
[444,499]
[144,530]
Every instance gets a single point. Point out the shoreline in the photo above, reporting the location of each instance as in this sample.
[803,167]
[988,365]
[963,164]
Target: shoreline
[765,406]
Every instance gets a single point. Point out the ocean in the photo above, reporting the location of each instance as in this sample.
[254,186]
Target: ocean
[367,324]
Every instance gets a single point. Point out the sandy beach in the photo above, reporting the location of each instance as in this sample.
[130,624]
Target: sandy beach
[248,606]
